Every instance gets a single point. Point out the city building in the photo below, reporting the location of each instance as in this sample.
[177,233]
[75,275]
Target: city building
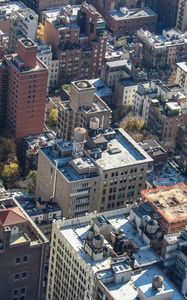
[182,16]
[161,51]
[23,24]
[7,8]
[40,5]
[22,252]
[126,22]
[43,214]
[30,147]
[45,54]
[84,104]
[100,169]
[181,148]
[102,256]
[156,151]
[78,40]
[125,91]
[163,109]
[112,71]
[169,203]
[3,94]
[166,175]
[105,6]
[181,76]
[27,89]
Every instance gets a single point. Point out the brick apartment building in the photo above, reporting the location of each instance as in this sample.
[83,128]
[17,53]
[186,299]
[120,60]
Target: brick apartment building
[26,88]
[22,253]
[126,22]
[76,34]
[170,204]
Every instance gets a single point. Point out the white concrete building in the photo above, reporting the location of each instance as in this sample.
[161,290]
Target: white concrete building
[181,76]
[102,256]
[24,23]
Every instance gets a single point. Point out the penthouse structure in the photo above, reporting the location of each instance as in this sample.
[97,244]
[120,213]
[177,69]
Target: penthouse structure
[104,257]
[83,105]
[76,34]
[163,50]
[170,204]
[126,22]
[27,88]
[22,253]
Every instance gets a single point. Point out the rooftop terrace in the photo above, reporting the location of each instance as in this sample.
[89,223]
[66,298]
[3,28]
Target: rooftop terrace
[170,202]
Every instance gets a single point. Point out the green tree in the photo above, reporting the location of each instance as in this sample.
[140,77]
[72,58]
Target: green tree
[53,117]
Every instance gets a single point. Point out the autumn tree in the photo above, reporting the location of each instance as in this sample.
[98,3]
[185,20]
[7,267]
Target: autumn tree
[132,124]
[53,117]
[7,149]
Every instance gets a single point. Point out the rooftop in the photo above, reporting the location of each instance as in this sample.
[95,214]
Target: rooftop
[124,13]
[122,151]
[101,88]
[170,202]
[167,39]
[143,279]
[76,235]
[146,261]
[166,176]
[7,8]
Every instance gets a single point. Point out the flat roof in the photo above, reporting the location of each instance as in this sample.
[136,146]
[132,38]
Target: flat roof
[76,234]
[142,279]
[118,63]
[124,152]
[170,202]
[165,176]
[122,14]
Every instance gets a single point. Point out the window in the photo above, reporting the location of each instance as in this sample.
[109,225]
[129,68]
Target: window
[18,260]
[22,298]
[16,276]
[25,258]
[15,292]
[24,275]
[23,290]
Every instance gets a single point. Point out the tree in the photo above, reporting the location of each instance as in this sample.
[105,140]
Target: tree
[120,112]
[7,149]
[10,172]
[53,117]
[132,124]
[27,184]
